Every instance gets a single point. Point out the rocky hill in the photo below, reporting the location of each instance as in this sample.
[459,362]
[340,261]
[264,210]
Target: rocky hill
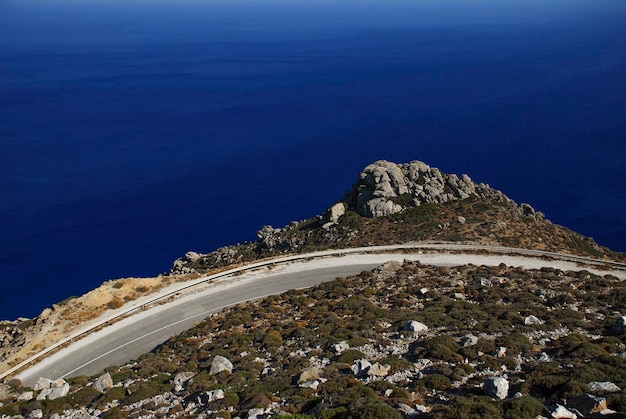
[405,340]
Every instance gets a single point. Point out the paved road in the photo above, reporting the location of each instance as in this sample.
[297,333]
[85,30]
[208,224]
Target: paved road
[133,338]
[140,333]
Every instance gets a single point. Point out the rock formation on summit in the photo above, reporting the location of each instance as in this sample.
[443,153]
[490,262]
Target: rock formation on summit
[385,188]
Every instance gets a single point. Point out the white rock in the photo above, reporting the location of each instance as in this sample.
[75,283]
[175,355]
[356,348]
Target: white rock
[469,340]
[310,384]
[103,383]
[496,387]
[36,414]
[310,374]
[460,219]
[54,392]
[215,395]
[532,320]
[378,370]
[220,364]
[360,367]
[27,395]
[416,327]
[255,413]
[336,211]
[560,412]
[603,386]
[43,383]
[500,352]
[340,347]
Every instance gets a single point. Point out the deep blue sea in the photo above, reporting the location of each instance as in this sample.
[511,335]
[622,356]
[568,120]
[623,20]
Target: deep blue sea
[133,131]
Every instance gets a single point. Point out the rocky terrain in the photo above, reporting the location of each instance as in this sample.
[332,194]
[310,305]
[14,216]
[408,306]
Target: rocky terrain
[404,341]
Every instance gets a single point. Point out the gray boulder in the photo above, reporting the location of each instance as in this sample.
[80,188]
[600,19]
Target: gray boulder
[416,327]
[220,364]
[469,340]
[532,320]
[310,374]
[603,387]
[256,413]
[56,389]
[340,347]
[214,395]
[496,387]
[378,370]
[103,383]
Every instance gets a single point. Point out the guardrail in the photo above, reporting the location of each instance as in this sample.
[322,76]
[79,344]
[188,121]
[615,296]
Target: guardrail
[294,258]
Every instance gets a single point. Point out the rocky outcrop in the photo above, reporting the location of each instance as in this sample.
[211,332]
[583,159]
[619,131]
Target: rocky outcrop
[220,364]
[496,387]
[103,383]
[52,389]
[385,188]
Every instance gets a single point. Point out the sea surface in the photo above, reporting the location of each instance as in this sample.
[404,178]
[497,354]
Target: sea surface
[133,131]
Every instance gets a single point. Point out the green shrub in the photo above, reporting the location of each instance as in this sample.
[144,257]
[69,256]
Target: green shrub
[371,409]
[437,382]
[525,407]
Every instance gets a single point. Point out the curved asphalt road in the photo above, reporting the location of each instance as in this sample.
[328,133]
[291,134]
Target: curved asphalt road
[133,338]
[140,333]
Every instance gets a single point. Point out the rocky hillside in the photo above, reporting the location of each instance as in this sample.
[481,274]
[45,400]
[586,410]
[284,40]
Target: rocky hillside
[391,204]
[388,204]
[402,341]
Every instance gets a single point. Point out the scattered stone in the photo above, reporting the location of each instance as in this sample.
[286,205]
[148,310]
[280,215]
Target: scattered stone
[360,367]
[43,383]
[469,340]
[25,396]
[407,411]
[603,387]
[36,414]
[214,395]
[415,327]
[532,320]
[485,282]
[378,370]
[5,390]
[587,404]
[181,378]
[310,384]
[56,389]
[335,212]
[257,413]
[619,325]
[459,296]
[220,364]
[103,383]
[460,219]
[496,387]
[340,347]
[310,374]
[500,352]
[561,412]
